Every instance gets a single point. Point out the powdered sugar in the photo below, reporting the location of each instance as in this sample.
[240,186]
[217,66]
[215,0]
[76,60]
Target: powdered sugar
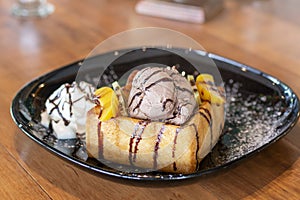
[251,122]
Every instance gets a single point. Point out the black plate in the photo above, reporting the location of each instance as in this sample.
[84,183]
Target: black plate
[260,110]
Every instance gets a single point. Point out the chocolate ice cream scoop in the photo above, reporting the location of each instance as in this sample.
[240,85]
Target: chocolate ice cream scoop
[161,94]
[186,103]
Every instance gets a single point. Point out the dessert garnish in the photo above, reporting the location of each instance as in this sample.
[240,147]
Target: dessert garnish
[66,108]
[159,120]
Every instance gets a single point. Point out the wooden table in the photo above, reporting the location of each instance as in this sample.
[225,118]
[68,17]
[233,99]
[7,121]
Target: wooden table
[262,34]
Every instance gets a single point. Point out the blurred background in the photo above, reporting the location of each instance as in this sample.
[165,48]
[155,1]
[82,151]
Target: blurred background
[264,34]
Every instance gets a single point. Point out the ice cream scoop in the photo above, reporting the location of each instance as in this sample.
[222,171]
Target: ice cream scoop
[186,104]
[161,94]
[66,109]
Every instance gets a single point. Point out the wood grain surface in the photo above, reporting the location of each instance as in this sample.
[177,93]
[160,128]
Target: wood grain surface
[264,34]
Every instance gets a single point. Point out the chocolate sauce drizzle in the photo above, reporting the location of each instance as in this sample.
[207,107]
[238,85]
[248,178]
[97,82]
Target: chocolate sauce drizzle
[81,136]
[143,90]
[140,74]
[185,90]
[100,134]
[159,80]
[165,103]
[174,166]
[89,96]
[207,112]
[69,101]
[136,95]
[174,114]
[138,104]
[156,147]
[130,150]
[197,146]
[56,106]
[155,72]
[207,116]
[137,141]
[175,142]
[100,137]
[174,148]
[68,86]
[141,125]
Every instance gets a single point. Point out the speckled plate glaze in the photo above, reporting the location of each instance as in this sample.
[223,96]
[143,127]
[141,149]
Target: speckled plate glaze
[260,110]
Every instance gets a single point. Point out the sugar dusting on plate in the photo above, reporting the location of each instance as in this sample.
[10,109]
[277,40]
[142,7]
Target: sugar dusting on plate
[251,122]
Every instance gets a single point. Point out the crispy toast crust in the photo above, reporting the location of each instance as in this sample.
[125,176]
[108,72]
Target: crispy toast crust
[155,145]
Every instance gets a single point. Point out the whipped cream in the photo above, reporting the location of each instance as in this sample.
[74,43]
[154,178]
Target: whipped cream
[66,109]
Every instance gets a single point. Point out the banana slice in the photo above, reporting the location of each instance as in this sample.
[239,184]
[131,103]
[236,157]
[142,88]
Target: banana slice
[108,102]
[207,89]
[120,96]
[192,82]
